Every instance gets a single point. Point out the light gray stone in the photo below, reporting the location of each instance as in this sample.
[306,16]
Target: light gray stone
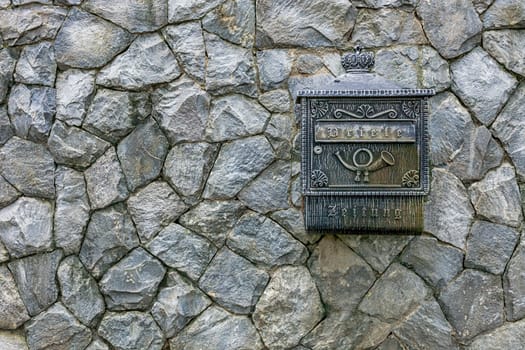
[185,10]
[448,211]
[177,304]
[187,43]
[233,282]
[13,312]
[462,32]
[238,163]
[508,336]
[514,284]
[435,70]
[75,147]
[12,340]
[391,343]
[132,283]
[74,89]
[7,67]
[105,181]
[341,276]
[8,194]
[213,219]
[233,20]
[182,110]
[296,195]
[504,14]
[80,48]
[274,67]
[6,131]
[293,221]
[481,84]
[71,210]
[154,207]
[304,23]
[79,291]
[279,132]
[31,109]
[131,330]
[26,226]
[490,246]
[27,25]
[481,5]
[97,344]
[109,236]
[308,63]
[506,46]
[437,263]
[57,328]
[289,308]
[133,15]
[37,65]
[230,68]
[147,61]
[114,114]
[277,101]
[498,189]
[181,249]
[213,330]
[35,278]
[473,303]
[300,82]
[4,254]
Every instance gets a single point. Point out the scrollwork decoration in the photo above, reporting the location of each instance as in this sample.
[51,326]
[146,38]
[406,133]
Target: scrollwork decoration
[319,179]
[319,109]
[411,179]
[365,111]
[411,109]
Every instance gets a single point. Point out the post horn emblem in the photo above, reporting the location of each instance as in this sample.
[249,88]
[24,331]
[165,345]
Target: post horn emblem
[370,165]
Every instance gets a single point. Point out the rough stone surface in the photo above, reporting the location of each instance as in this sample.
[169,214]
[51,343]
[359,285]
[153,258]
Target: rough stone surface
[233,282]
[504,14]
[7,65]
[293,221]
[80,293]
[181,11]
[35,278]
[508,336]
[13,312]
[74,89]
[308,64]
[6,132]
[481,84]
[514,284]
[8,194]
[148,61]
[181,249]
[12,340]
[97,344]
[274,67]
[505,46]
[37,65]
[279,132]
[233,20]
[277,101]
[132,283]
[289,308]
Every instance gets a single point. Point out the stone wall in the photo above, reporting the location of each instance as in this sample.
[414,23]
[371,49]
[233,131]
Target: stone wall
[149,188]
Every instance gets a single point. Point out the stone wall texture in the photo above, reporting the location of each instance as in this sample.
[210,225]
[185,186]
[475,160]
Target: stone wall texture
[150,191]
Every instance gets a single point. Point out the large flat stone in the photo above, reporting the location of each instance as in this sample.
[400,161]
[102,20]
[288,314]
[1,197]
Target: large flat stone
[506,46]
[514,284]
[8,194]
[274,66]
[74,89]
[233,20]
[7,67]
[13,340]
[184,10]
[13,312]
[280,129]
[508,336]
[37,65]
[504,14]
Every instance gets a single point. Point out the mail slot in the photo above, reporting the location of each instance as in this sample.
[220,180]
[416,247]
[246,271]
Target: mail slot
[364,161]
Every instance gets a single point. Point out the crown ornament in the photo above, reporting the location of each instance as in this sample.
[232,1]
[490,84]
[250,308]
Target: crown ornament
[358,61]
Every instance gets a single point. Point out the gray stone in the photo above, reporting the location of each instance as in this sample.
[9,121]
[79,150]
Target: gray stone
[213,219]
[4,4]
[80,48]
[300,82]
[26,226]
[230,68]
[391,343]
[181,249]
[448,211]
[506,47]
[504,14]
[154,207]
[182,110]
[332,62]
[481,5]
[113,114]
[185,10]
[8,194]
[289,308]
[213,330]
[74,89]
[105,181]
[79,291]
[177,304]
[24,2]
[187,167]
[148,61]
[498,189]
[274,67]
[235,116]
[12,340]
[296,192]
[233,20]
[490,246]
[514,284]
[7,67]
[481,84]
[6,131]
[187,43]
[277,101]
[308,64]
[97,344]
[57,329]
[384,27]
[238,163]
[74,147]
[71,210]
[132,283]
[304,23]
[35,278]
[131,330]
[293,221]
[4,254]
[414,332]
[30,24]
[109,236]
[435,70]
[141,154]
[279,132]
[13,312]
[133,15]
[32,109]
[341,276]
[233,282]
[37,65]
[473,303]
[437,263]
[460,35]
[508,336]
[68,2]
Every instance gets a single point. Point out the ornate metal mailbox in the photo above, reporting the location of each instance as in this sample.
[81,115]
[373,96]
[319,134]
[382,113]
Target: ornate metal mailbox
[364,152]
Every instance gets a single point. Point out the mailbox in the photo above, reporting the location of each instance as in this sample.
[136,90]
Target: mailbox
[364,160]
